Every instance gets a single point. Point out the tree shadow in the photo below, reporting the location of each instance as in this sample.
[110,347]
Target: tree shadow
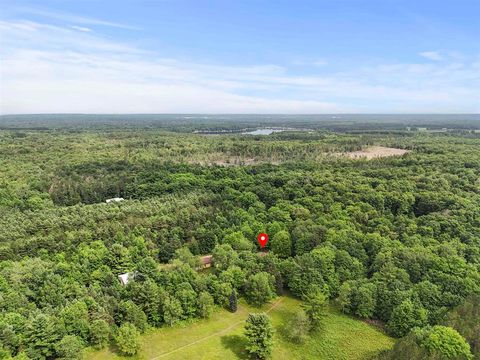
[235,343]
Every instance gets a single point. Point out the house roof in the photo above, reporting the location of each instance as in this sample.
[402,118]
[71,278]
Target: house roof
[125,278]
[207,259]
[115,199]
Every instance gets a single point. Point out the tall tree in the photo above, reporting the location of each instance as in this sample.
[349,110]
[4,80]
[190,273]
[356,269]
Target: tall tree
[447,342]
[70,348]
[315,303]
[406,316]
[233,301]
[260,288]
[281,244]
[99,333]
[128,339]
[259,333]
[41,335]
[172,310]
[205,305]
[75,319]
[466,320]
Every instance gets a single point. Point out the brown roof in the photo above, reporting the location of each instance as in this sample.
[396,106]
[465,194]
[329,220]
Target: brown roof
[207,259]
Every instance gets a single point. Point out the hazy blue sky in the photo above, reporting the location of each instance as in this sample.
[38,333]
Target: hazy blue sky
[240,56]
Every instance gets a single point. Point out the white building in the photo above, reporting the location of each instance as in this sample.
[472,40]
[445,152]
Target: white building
[127,277]
[115,199]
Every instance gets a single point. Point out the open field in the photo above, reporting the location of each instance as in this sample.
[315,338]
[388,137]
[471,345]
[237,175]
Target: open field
[221,337]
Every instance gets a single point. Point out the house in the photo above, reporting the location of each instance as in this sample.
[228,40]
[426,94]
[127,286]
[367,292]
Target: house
[115,199]
[125,278]
[206,261]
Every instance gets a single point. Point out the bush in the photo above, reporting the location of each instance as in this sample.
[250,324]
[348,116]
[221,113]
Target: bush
[296,330]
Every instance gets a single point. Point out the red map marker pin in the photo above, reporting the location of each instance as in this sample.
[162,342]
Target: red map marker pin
[262,239]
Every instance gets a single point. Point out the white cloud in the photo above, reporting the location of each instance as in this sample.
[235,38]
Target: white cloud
[48,69]
[304,62]
[320,62]
[66,17]
[81,28]
[432,55]
[24,34]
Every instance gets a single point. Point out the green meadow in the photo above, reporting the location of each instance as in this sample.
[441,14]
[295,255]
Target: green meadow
[221,337]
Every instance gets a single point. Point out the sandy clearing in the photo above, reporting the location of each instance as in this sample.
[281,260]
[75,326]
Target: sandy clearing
[373,152]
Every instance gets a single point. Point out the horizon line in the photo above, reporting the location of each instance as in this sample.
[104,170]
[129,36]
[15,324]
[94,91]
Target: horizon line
[252,114]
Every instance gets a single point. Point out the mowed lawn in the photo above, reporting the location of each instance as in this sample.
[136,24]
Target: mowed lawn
[221,337]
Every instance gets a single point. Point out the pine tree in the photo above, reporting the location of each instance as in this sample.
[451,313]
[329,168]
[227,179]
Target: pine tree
[314,305]
[233,301]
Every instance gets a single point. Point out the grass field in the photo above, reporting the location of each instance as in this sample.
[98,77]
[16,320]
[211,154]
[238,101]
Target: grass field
[221,337]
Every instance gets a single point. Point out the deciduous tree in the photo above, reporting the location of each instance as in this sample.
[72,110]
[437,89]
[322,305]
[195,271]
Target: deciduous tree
[128,339]
[259,333]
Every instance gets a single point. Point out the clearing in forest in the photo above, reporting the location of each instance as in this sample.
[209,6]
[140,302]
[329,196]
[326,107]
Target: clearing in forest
[368,153]
[221,337]
[373,152]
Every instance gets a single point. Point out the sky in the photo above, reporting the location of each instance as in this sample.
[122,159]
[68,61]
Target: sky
[242,56]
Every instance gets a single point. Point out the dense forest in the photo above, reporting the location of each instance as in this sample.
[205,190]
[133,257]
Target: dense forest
[393,240]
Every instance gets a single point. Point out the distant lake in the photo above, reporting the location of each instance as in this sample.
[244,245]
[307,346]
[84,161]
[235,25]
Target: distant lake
[262,131]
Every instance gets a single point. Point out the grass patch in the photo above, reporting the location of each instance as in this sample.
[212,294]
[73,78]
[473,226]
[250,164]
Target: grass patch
[221,338]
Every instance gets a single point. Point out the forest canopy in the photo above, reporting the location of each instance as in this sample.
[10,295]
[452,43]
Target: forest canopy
[393,239]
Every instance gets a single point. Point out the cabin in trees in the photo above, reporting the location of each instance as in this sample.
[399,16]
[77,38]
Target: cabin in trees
[206,261]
